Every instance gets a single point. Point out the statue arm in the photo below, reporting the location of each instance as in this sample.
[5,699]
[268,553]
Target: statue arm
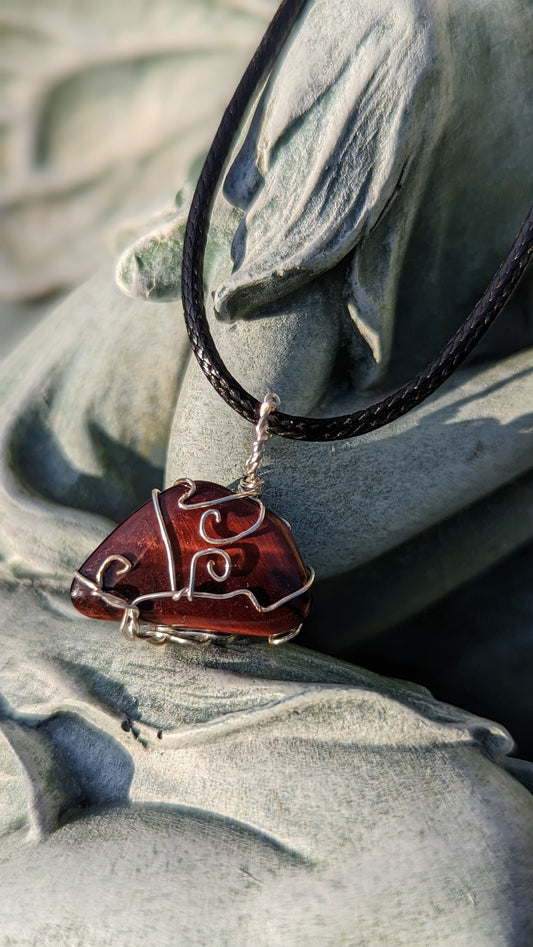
[335,159]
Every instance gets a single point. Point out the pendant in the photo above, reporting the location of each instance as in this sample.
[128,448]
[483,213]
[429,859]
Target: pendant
[200,563]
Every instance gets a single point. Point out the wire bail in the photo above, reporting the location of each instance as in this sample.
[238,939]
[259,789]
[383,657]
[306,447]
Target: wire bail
[251,484]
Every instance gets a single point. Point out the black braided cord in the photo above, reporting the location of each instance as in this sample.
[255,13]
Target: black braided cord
[376,415]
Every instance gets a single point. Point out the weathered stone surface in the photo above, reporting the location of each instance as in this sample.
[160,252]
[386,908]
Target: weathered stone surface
[250,794]
[104,107]
[245,793]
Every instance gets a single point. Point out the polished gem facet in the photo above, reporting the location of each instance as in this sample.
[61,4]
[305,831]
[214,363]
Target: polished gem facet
[198,557]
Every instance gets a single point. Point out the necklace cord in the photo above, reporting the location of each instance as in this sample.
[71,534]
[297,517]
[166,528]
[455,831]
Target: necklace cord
[390,408]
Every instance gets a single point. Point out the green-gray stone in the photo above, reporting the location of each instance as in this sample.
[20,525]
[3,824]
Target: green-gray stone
[253,794]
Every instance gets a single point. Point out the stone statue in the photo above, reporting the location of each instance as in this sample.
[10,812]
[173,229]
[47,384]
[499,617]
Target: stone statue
[99,114]
[250,794]
[371,265]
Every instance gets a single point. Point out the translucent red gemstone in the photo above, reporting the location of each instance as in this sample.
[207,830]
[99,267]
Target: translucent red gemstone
[265,563]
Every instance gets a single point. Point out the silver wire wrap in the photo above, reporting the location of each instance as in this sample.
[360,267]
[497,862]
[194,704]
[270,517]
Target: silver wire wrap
[251,484]
[132,626]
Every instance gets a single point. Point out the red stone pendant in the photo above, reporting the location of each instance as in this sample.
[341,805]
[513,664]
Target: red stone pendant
[196,562]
